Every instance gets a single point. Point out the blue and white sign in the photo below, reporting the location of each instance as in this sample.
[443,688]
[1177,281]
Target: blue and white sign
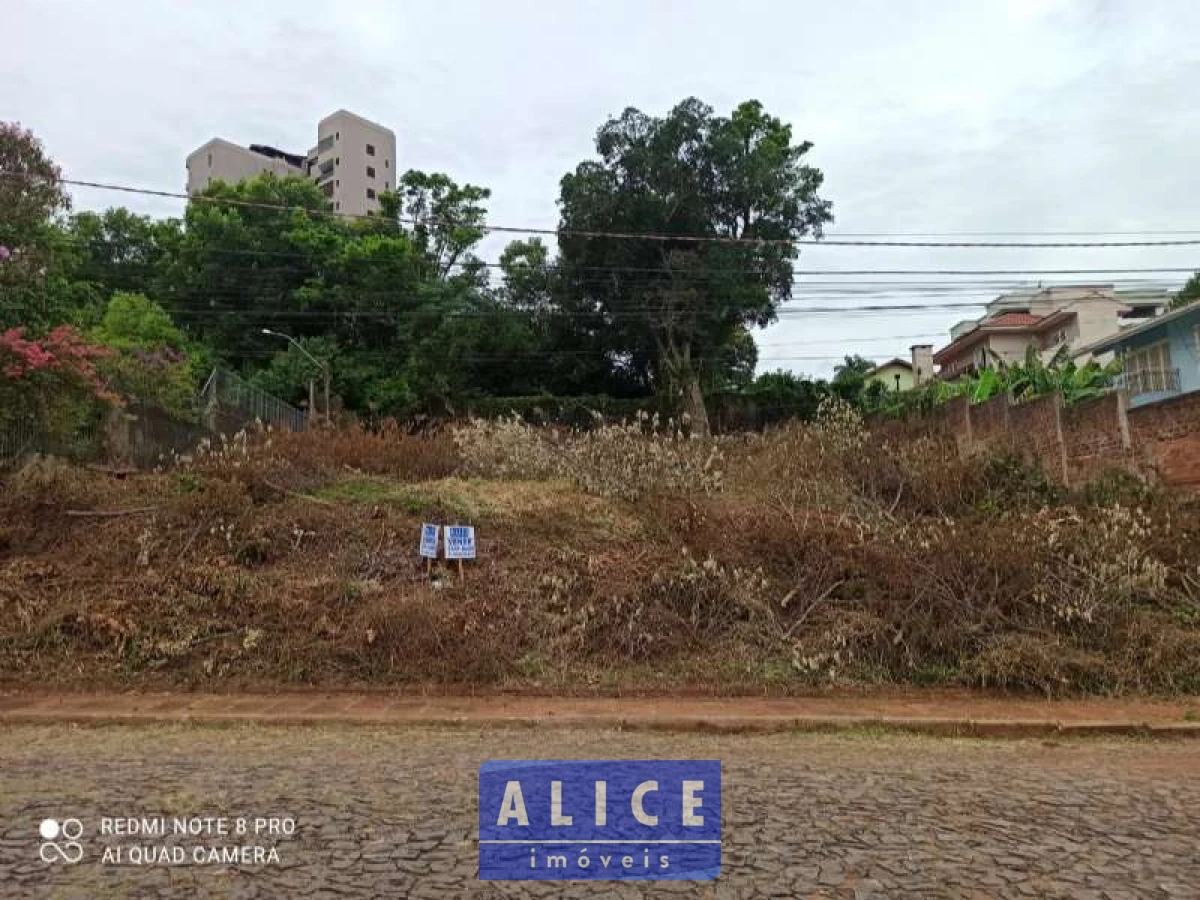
[460,542]
[429,540]
[600,820]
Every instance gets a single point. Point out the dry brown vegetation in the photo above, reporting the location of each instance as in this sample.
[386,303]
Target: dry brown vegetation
[625,558]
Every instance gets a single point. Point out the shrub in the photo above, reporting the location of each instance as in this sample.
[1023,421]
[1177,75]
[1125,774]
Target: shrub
[52,384]
[838,426]
[505,448]
[694,607]
[46,482]
[294,459]
[627,460]
[570,412]
[422,637]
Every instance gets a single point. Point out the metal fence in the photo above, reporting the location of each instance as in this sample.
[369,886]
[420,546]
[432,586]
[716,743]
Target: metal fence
[1149,381]
[17,437]
[145,435]
[224,389]
[20,437]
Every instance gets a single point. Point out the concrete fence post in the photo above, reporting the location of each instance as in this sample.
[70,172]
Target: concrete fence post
[1064,467]
[1123,418]
[967,445]
[117,436]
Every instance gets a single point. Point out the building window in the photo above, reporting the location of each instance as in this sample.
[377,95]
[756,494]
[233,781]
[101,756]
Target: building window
[337,160]
[1149,369]
[337,135]
[210,160]
[337,182]
[370,149]
[385,185]
[370,171]
[370,193]
[385,163]
[337,204]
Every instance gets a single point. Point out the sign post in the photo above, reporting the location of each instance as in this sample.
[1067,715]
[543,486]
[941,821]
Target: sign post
[460,543]
[429,544]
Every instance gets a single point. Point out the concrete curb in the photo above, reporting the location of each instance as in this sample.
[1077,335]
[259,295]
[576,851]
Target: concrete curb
[935,727]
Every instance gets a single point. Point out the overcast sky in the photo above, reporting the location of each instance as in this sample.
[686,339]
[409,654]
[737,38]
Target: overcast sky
[926,117]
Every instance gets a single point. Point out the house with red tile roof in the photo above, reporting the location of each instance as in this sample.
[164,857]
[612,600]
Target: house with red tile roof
[1046,320]
[1005,338]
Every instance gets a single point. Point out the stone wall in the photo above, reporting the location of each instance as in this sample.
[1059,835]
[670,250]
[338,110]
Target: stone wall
[1076,444]
[1167,435]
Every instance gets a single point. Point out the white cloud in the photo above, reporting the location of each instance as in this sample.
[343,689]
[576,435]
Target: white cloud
[926,116]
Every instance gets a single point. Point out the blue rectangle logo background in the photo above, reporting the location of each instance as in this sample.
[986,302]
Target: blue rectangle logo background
[658,845]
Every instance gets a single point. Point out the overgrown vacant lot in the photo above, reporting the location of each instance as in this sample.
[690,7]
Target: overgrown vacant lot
[621,558]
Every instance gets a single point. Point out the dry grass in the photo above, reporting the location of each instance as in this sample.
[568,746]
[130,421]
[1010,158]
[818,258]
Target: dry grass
[631,460]
[820,556]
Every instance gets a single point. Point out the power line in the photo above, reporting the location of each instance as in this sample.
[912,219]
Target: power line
[508,355]
[595,351]
[785,310]
[240,282]
[1084,233]
[101,243]
[118,276]
[408,315]
[852,340]
[523,267]
[622,235]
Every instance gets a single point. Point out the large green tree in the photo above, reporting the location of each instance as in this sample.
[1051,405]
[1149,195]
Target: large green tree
[562,356]
[31,190]
[116,251]
[740,181]
[32,199]
[849,377]
[254,255]
[443,219]
[1189,293]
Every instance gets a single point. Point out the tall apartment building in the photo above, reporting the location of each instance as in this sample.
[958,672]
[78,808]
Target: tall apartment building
[353,162]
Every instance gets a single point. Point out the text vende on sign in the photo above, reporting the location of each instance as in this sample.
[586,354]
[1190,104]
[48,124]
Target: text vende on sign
[460,542]
[600,819]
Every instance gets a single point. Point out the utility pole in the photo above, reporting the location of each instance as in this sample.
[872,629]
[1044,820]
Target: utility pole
[312,384]
[328,414]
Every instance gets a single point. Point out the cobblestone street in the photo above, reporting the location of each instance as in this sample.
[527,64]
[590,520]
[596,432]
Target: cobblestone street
[392,812]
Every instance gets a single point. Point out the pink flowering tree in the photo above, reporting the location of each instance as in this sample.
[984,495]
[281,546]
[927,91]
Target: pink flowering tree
[53,379]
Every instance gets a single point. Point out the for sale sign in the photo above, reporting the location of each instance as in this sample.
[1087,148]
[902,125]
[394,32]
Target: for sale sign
[429,541]
[460,542]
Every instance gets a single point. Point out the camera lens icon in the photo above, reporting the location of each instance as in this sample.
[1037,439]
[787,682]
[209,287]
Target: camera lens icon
[67,850]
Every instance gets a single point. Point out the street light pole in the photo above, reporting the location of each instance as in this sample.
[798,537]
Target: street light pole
[323,366]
